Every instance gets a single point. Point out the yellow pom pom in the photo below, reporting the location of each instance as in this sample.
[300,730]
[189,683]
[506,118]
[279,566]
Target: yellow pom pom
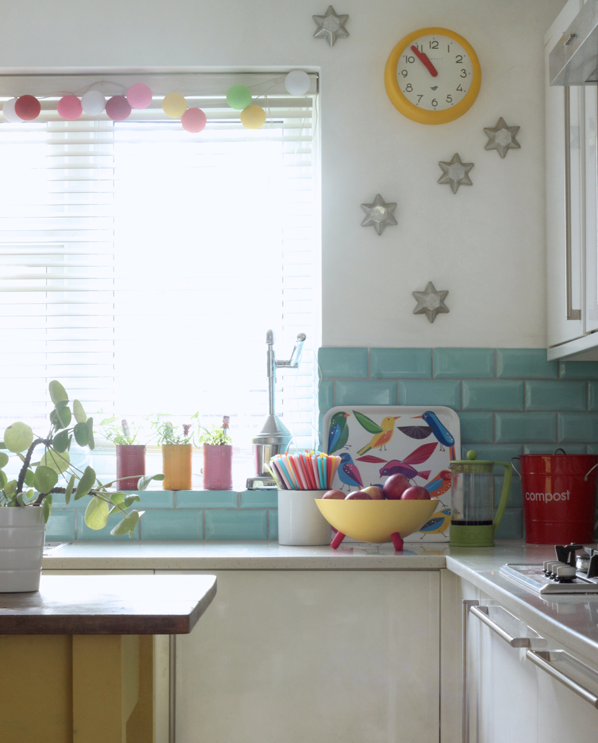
[253,117]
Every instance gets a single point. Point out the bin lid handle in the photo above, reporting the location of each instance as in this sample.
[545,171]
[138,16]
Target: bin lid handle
[585,479]
[515,468]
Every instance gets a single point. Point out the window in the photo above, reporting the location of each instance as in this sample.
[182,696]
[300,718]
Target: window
[142,265]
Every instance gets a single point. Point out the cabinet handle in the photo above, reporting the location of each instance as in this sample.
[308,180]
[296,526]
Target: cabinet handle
[481,612]
[571,313]
[542,658]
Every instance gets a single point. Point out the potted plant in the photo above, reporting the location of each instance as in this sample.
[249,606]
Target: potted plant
[217,457]
[177,447]
[130,456]
[26,502]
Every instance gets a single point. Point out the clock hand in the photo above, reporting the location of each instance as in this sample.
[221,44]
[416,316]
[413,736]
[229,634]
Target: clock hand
[425,60]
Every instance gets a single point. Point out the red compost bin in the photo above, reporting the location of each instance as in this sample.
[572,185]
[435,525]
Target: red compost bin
[559,497]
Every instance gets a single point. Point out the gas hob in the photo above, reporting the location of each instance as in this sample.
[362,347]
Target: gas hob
[569,573]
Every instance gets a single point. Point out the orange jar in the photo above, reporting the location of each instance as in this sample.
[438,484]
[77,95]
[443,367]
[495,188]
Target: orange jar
[176,463]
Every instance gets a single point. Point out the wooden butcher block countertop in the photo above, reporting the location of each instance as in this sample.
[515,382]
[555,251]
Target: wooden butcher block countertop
[108,605]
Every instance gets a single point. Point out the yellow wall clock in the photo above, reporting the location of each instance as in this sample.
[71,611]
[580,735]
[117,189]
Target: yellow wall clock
[433,76]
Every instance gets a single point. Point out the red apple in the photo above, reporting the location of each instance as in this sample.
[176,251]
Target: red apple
[416,493]
[358,495]
[334,495]
[374,492]
[395,486]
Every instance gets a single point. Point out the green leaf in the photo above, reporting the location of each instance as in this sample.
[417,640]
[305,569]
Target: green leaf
[69,489]
[47,506]
[79,412]
[85,484]
[30,495]
[45,478]
[65,416]
[130,499]
[10,489]
[20,499]
[117,497]
[57,392]
[96,513]
[30,478]
[128,524]
[61,441]
[3,479]
[81,432]
[3,459]
[18,437]
[367,423]
[56,461]
[91,443]
[146,479]
[2,445]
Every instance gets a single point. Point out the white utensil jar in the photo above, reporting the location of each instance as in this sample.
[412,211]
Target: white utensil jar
[299,520]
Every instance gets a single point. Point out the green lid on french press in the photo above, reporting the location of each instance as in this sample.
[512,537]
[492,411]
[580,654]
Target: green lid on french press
[472,465]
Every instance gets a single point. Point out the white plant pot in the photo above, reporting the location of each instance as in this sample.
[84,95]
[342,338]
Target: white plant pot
[22,534]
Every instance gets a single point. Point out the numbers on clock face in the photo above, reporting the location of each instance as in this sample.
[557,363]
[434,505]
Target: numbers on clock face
[416,67]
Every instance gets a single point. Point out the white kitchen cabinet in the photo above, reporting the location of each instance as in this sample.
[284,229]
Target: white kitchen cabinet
[508,698]
[293,656]
[571,210]
[565,193]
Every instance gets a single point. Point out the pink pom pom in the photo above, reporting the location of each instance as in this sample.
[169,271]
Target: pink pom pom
[139,95]
[27,107]
[69,107]
[118,108]
[193,120]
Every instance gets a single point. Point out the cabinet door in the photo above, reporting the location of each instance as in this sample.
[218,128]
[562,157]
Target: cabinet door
[562,714]
[565,194]
[314,656]
[506,702]
[591,201]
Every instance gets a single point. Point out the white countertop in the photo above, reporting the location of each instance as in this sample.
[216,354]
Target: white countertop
[571,621]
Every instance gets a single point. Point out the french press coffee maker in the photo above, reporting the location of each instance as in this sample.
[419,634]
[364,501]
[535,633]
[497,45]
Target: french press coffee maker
[473,521]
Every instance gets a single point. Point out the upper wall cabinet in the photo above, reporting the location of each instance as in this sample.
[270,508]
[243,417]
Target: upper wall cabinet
[571,206]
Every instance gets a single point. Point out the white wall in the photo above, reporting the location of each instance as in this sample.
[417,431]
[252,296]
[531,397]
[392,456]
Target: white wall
[485,244]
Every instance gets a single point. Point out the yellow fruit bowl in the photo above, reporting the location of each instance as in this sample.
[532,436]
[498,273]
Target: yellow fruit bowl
[377,520]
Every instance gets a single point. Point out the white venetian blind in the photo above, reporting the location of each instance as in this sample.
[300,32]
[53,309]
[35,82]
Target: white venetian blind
[142,265]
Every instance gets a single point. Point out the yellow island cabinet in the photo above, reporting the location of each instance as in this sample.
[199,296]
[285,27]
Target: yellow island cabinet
[86,659]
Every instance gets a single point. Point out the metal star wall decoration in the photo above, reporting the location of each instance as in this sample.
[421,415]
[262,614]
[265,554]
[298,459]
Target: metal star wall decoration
[502,137]
[455,173]
[379,214]
[330,26]
[431,302]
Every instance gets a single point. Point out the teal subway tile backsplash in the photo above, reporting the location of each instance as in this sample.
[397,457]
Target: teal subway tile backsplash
[511,525]
[326,395]
[172,525]
[343,362]
[525,428]
[526,405]
[457,363]
[556,396]
[235,525]
[477,427]
[578,370]
[259,499]
[492,395]
[433,392]
[578,427]
[400,363]
[524,363]
[207,499]
[61,526]
[371,392]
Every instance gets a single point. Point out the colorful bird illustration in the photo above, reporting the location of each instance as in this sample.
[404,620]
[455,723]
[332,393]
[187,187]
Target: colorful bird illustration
[348,472]
[405,466]
[438,524]
[382,433]
[339,432]
[439,431]
[440,484]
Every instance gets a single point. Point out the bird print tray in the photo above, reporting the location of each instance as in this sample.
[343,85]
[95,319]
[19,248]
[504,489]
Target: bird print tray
[377,441]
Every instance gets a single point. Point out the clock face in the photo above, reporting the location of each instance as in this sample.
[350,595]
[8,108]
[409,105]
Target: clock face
[433,76]
[434,73]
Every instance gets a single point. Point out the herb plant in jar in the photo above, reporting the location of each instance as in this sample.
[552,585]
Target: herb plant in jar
[177,449]
[217,457]
[130,456]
